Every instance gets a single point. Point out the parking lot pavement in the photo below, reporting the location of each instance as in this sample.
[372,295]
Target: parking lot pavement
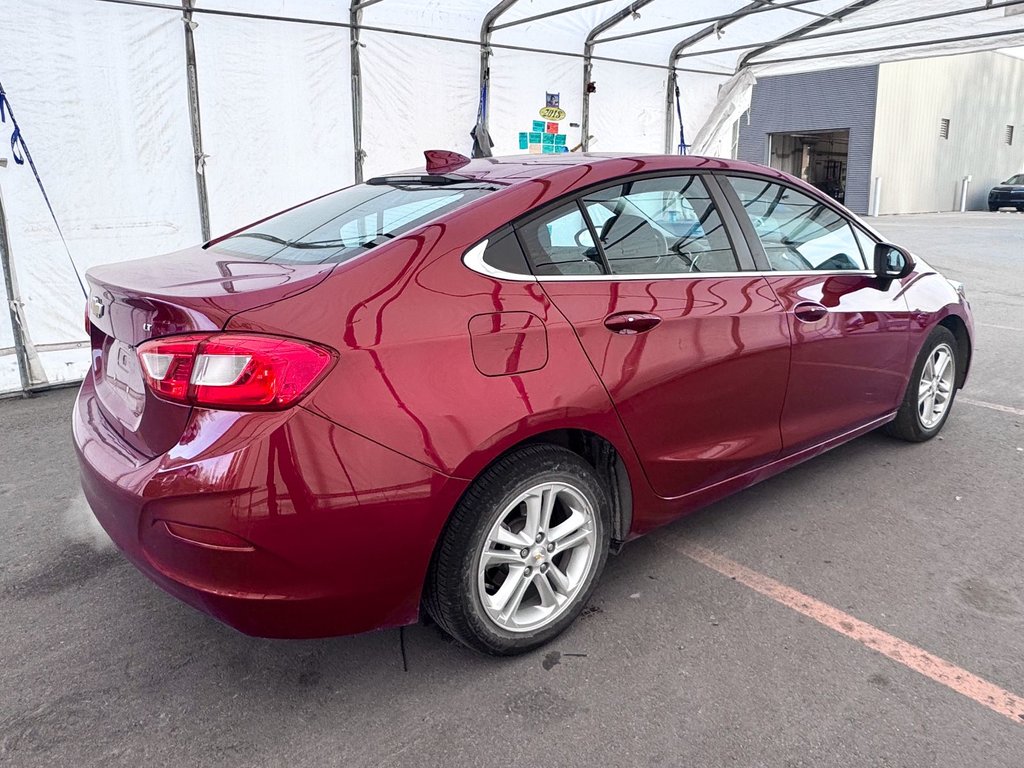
[673,663]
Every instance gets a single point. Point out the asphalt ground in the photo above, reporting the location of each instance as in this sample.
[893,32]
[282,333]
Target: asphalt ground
[673,662]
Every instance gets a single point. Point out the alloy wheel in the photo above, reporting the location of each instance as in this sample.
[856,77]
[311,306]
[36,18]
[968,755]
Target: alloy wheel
[935,390]
[537,557]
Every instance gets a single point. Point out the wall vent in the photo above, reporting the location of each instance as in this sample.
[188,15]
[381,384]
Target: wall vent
[1009,135]
[944,128]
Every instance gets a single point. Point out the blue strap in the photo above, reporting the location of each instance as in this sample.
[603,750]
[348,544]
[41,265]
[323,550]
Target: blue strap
[20,153]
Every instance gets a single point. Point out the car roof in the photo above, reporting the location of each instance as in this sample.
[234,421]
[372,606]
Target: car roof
[512,169]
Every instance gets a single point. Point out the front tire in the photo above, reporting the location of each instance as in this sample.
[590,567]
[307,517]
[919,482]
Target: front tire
[522,552]
[932,389]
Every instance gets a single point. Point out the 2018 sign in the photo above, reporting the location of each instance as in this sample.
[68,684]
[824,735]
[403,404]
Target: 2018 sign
[552,113]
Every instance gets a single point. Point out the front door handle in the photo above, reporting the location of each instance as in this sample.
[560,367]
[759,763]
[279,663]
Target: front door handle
[809,311]
[631,323]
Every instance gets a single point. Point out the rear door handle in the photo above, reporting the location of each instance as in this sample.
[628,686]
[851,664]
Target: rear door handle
[631,323]
[809,311]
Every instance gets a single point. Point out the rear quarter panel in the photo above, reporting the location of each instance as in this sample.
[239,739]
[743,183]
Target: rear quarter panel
[405,322]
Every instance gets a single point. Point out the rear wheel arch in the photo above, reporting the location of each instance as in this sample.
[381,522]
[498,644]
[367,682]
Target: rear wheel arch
[600,453]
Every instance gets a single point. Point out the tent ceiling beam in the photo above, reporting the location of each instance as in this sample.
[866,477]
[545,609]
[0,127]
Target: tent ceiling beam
[401,33]
[548,15]
[749,10]
[895,46]
[803,32]
[793,36]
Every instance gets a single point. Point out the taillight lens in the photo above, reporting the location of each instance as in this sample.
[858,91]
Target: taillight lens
[232,371]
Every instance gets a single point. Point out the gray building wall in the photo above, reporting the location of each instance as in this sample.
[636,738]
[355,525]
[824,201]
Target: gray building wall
[980,94]
[829,100]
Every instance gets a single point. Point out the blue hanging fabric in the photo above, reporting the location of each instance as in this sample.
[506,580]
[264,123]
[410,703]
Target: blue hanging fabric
[21,154]
[683,146]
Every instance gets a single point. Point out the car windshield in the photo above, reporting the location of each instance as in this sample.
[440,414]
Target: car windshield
[346,223]
[1018,179]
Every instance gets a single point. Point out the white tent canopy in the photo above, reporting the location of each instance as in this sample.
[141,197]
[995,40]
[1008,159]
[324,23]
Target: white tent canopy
[148,132]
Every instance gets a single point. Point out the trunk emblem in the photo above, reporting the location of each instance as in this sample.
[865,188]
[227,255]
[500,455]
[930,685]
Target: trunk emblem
[147,326]
[97,307]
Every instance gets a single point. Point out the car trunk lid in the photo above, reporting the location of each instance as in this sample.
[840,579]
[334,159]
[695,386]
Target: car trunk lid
[196,290]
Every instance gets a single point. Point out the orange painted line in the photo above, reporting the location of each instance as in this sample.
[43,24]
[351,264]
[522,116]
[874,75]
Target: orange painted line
[941,671]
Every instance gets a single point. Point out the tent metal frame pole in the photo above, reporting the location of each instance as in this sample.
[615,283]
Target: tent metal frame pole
[588,62]
[355,17]
[677,50]
[199,158]
[13,300]
[486,28]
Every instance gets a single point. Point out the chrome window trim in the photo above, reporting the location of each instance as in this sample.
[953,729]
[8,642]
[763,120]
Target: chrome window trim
[474,260]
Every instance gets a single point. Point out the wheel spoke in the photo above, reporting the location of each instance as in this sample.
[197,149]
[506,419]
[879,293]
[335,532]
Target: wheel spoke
[493,557]
[570,525]
[558,579]
[499,601]
[534,503]
[923,396]
[550,497]
[504,536]
[940,367]
[929,370]
[548,598]
[515,598]
[571,541]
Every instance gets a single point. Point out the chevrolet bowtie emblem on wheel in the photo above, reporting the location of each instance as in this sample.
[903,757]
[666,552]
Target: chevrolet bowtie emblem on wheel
[97,306]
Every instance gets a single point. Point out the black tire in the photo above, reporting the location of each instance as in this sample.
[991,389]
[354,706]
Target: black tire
[993,208]
[452,592]
[908,424]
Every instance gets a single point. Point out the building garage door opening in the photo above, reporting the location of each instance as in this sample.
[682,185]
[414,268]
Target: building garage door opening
[818,157]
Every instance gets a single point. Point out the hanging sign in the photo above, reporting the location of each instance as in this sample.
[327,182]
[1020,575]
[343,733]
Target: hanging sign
[552,113]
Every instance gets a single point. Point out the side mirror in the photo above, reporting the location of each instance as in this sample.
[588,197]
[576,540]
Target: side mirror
[892,262]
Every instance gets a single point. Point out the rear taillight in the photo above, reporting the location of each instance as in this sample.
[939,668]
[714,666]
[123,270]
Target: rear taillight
[232,371]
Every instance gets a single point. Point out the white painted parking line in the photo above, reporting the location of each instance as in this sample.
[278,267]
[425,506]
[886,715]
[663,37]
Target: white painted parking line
[992,406]
[1001,327]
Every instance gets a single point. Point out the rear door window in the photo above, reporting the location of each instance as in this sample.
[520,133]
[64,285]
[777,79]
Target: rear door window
[664,225]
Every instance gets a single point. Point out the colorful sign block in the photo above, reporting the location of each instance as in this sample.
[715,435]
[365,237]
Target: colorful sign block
[524,140]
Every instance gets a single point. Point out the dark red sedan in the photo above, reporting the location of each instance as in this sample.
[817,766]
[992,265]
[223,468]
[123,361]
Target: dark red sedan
[459,388]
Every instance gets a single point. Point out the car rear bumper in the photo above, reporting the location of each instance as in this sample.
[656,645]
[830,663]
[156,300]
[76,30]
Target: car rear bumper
[280,525]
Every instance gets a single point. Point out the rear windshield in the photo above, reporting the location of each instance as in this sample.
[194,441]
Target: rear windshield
[346,223]
[1018,179]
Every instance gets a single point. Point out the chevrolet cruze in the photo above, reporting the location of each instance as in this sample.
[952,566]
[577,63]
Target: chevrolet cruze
[457,389]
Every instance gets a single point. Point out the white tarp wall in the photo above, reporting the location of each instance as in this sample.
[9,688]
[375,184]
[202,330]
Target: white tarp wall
[100,93]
